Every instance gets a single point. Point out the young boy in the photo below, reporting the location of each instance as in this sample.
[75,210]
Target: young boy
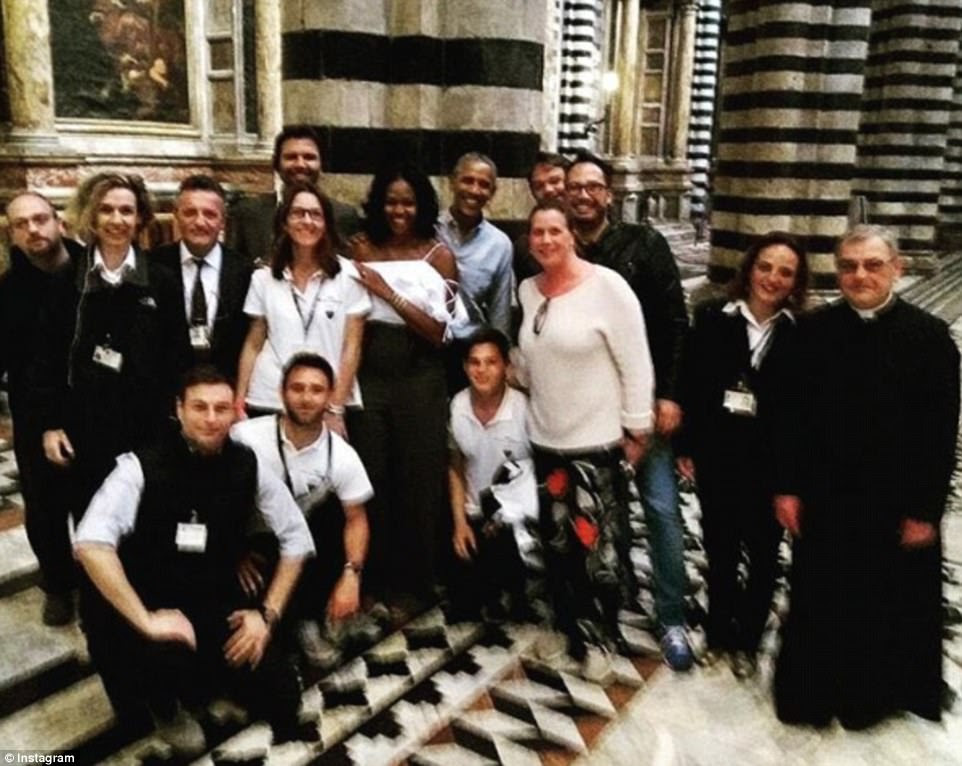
[492,484]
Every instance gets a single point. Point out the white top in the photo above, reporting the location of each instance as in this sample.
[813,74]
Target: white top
[114,276]
[588,371]
[209,278]
[112,513]
[421,284]
[312,320]
[760,334]
[328,464]
[486,446]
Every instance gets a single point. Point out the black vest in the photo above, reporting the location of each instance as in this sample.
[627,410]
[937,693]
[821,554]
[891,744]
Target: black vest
[182,487]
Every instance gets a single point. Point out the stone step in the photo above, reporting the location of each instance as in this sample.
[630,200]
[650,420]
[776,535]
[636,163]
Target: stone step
[18,565]
[64,720]
[36,660]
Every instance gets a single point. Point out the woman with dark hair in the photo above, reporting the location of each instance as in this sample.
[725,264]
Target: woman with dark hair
[308,299]
[735,352]
[401,433]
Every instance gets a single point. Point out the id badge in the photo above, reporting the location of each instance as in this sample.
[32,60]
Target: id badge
[740,403]
[199,337]
[191,537]
[107,357]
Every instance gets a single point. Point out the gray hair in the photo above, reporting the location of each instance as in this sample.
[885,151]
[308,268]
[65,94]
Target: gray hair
[866,231]
[469,157]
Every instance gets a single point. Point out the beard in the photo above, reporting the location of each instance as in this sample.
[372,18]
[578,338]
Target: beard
[304,422]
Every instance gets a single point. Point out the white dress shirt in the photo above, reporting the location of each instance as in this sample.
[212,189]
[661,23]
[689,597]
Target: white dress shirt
[209,278]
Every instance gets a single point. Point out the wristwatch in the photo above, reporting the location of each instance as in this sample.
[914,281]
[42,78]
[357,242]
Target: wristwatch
[354,567]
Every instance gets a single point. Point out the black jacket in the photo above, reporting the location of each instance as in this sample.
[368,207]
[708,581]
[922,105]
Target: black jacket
[23,291]
[642,256]
[717,358]
[104,412]
[230,324]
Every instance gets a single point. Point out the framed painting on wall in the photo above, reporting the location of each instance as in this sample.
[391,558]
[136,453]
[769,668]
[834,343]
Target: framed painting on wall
[120,60]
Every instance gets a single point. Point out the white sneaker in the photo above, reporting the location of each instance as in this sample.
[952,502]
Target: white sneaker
[183,734]
[318,651]
[597,666]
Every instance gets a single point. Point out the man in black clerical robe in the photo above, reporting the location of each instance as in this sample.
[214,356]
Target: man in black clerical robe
[865,445]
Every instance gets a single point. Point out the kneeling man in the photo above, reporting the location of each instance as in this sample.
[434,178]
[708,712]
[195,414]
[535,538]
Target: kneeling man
[161,541]
[329,483]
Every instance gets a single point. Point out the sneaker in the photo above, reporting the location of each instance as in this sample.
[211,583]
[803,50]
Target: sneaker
[597,667]
[183,734]
[675,648]
[744,665]
[318,651]
[58,609]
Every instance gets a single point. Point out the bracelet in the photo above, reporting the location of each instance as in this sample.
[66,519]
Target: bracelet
[270,615]
[354,567]
[398,301]
[336,409]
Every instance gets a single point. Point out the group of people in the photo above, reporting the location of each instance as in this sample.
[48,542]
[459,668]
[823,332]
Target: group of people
[302,432]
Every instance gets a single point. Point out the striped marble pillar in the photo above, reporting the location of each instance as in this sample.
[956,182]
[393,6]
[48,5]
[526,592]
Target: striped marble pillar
[949,234]
[417,80]
[905,117]
[790,99]
[704,84]
[582,26]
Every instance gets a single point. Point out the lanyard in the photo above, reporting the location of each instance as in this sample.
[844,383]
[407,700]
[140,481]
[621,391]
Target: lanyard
[306,324]
[287,472]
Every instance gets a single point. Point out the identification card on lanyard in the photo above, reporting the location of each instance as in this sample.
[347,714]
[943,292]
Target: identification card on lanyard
[740,401]
[199,337]
[191,536]
[107,357]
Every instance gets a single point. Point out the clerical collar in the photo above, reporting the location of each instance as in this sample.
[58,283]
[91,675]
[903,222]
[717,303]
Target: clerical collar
[869,315]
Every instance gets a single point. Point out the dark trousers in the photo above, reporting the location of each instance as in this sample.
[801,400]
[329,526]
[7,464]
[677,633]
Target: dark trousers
[738,611]
[495,568]
[322,571]
[142,676]
[401,437]
[45,509]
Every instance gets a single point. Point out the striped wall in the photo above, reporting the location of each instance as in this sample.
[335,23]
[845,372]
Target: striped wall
[906,105]
[790,104]
[704,85]
[423,81]
[950,197]
[580,98]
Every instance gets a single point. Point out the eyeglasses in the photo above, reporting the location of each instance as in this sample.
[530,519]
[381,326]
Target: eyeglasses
[871,265]
[539,317]
[592,187]
[38,220]
[298,213]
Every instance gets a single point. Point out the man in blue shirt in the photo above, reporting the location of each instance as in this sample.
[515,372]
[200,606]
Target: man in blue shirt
[483,253]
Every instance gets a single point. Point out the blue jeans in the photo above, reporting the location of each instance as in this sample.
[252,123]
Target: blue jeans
[658,488]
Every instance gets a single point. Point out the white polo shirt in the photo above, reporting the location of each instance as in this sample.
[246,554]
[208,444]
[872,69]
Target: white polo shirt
[329,464]
[486,446]
[312,320]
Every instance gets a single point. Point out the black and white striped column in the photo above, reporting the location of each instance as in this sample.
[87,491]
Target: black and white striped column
[581,99]
[949,233]
[419,81]
[704,84]
[905,116]
[790,100]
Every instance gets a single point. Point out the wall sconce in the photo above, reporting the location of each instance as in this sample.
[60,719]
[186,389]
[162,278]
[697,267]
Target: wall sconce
[609,86]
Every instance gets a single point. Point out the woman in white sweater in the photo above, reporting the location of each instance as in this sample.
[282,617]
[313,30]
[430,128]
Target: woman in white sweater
[585,361]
